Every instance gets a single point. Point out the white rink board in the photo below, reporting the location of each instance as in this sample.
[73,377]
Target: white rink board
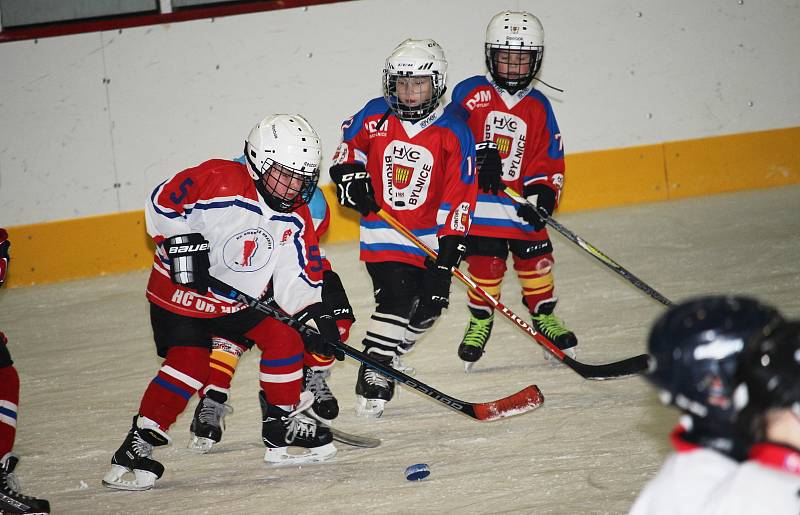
[84,353]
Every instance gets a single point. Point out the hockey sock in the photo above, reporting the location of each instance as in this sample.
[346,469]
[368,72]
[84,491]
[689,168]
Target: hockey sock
[224,359]
[487,272]
[281,365]
[9,399]
[182,374]
[536,278]
[385,333]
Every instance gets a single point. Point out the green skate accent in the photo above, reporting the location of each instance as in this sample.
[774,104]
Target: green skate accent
[550,326]
[478,332]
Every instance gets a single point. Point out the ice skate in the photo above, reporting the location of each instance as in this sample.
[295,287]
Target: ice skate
[208,421]
[373,390]
[285,433]
[545,322]
[325,406]
[135,456]
[475,338]
[11,499]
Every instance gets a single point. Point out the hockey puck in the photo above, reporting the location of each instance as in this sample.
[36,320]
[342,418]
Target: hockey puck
[418,472]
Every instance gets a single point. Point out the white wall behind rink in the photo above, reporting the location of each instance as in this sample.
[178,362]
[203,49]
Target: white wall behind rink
[90,123]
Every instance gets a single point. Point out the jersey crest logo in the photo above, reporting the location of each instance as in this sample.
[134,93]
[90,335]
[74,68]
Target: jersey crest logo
[401,176]
[503,145]
[248,251]
[406,175]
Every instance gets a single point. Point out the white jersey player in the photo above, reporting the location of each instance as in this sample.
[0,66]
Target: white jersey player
[694,349]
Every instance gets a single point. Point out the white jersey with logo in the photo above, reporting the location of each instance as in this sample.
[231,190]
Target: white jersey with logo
[251,245]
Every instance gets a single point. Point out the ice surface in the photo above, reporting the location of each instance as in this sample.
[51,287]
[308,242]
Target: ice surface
[84,353]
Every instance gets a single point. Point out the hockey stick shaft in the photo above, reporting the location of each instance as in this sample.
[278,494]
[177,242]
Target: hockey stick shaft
[525,400]
[591,249]
[625,367]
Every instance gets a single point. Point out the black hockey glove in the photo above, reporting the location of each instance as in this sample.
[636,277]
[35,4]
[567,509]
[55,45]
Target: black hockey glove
[490,167]
[188,260]
[324,343]
[436,281]
[334,296]
[354,187]
[541,196]
[5,258]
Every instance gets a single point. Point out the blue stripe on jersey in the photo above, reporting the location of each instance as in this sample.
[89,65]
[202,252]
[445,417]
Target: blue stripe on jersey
[378,247]
[380,224]
[172,388]
[8,412]
[298,246]
[555,150]
[282,362]
[219,204]
[495,199]
[351,126]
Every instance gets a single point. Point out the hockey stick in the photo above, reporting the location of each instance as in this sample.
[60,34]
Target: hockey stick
[591,249]
[527,399]
[626,367]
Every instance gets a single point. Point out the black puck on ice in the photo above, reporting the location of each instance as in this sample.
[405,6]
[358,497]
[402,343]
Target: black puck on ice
[417,472]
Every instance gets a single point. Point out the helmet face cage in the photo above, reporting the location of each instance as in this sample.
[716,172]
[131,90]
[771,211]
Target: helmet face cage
[427,88]
[286,188]
[513,68]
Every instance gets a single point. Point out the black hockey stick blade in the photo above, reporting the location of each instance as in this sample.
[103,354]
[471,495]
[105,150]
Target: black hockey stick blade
[626,367]
[527,399]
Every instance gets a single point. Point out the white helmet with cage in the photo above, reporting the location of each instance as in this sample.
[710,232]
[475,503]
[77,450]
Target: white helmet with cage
[415,58]
[283,155]
[515,40]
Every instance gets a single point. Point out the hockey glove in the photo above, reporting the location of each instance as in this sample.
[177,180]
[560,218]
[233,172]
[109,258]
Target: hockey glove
[490,167]
[322,344]
[333,295]
[541,196]
[354,187]
[436,281]
[188,261]
[4,256]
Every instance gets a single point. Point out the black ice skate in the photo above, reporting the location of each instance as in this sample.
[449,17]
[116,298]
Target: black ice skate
[373,390]
[545,322]
[11,500]
[325,406]
[475,338]
[208,421]
[134,455]
[282,430]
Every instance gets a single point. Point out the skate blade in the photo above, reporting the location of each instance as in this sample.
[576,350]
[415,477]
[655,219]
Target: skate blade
[144,480]
[281,457]
[468,366]
[555,361]
[369,408]
[200,444]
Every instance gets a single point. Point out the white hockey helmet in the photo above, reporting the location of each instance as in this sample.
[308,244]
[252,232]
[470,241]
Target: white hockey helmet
[514,31]
[283,155]
[415,58]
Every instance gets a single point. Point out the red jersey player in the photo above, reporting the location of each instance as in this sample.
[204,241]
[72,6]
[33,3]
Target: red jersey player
[402,153]
[11,500]
[248,225]
[519,145]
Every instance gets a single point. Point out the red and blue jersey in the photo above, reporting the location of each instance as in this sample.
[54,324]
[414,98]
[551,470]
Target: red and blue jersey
[529,141]
[422,174]
[251,245]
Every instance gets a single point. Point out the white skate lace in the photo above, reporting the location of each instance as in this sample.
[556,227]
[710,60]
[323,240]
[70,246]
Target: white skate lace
[141,447]
[315,383]
[398,364]
[375,379]
[300,425]
[213,413]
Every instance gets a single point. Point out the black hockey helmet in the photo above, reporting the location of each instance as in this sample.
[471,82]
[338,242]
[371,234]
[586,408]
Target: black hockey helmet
[768,377]
[694,349]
